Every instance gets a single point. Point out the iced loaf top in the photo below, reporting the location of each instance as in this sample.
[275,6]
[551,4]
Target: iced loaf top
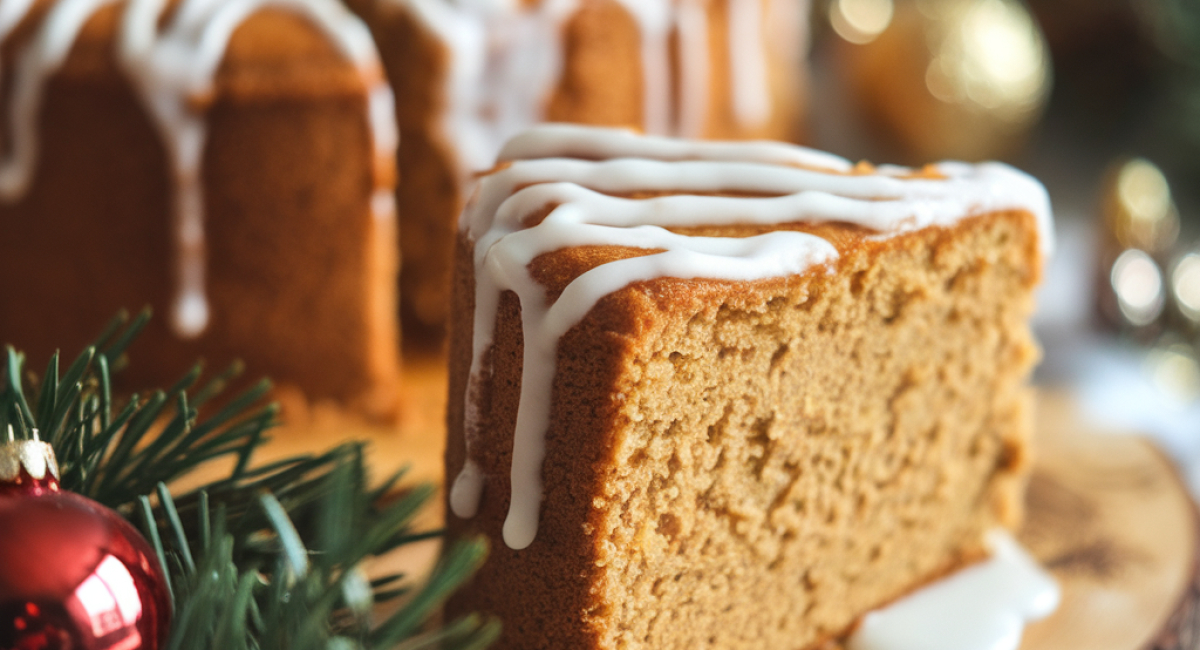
[585,175]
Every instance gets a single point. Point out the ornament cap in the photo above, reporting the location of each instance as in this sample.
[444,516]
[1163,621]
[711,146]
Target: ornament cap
[35,457]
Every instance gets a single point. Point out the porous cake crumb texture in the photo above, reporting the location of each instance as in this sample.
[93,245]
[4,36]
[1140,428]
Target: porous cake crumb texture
[753,465]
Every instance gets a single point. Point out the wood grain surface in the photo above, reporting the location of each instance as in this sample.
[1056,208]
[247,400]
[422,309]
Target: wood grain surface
[1109,517]
[1106,514]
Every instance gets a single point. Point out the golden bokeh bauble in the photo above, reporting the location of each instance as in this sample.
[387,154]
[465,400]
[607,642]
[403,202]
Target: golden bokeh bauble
[1139,229]
[1185,287]
[1137,207]
[963,79]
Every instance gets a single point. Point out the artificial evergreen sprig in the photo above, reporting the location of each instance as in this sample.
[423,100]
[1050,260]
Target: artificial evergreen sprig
[269,557]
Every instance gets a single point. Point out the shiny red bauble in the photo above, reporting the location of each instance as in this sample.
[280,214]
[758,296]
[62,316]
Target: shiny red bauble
[74,575]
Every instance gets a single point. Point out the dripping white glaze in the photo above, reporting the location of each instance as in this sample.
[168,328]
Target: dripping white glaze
[385,137]
[36,62]
[654,21]
[982,607]
[577,168]
[11,13]
[692,25]
[748,63]
[788,29]
[506,58]
[172,67]
[176,65]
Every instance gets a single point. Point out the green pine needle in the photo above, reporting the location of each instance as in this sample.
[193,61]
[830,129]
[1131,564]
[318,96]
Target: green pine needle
[269,558]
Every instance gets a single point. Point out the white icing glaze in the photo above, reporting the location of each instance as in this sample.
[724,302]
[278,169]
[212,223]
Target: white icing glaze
[506,59]
[385,137]
[504,62]
[11,14]
[175,66]
[35,63]
[748,63]
[982,607]
[692,25]
[172,66]
[381,114]
[654,20]
[610,161]
[790,22]
[566,140]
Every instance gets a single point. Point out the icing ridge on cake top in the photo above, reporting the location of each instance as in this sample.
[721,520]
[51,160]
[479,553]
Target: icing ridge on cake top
[506,58]
[584,174]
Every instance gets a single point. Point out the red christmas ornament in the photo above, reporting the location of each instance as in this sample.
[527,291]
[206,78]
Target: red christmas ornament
[74,575]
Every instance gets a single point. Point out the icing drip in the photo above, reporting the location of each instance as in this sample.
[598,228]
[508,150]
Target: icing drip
[385,137]
[982,607]
[585,213]
[173,69]
[504,62]
[507,59]
[748,63]
[36,62]
[654,20]
[11,13]
[788,31]
[692,25]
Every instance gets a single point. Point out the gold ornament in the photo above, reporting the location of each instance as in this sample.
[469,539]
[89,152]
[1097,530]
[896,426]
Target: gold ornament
[1140,227]
[959,79]
[1138,209]
[35,457]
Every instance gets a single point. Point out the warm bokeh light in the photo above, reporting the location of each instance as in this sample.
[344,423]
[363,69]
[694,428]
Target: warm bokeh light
[962,79]
[1174,371]
[1138,285]
[1144,191]
[860,21]
[1138,207]
[995,58]
[1185,285]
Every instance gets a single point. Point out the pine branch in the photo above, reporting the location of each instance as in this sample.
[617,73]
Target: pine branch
[268,558]
[114,453]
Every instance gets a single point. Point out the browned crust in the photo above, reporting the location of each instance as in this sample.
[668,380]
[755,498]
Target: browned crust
[787,80]
[551,577]
[601,81]
[558,269]
[308,303]
[429,191]
[601,84]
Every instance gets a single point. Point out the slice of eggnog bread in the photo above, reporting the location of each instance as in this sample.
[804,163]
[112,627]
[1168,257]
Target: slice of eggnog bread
[732,395]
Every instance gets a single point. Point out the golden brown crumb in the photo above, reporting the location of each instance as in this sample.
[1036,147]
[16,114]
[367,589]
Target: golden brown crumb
[755,465]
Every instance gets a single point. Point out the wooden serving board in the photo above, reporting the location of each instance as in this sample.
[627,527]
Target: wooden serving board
[1106,514]
[1110,518]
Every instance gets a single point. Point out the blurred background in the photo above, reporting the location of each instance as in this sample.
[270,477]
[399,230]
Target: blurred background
[1100,99]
